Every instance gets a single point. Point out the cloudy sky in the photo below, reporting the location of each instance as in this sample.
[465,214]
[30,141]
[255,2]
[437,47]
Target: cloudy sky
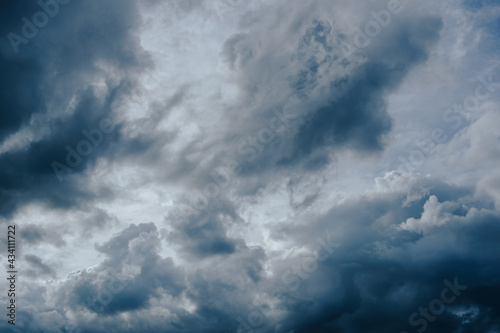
[241,166]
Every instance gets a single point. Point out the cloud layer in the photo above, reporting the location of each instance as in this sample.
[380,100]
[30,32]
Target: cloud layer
[273,166]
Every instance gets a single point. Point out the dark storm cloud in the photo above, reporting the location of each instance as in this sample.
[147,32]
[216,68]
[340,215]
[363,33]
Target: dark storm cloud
[387,275]
[358,116]
[372,281]
[19,99]
[30,172]
[53,73]
[303,100]
[394,246]
[110,288]
[326,101]
[134,278]
[203,233]
[339,102]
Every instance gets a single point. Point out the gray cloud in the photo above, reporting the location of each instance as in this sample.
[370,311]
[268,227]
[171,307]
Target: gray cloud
[33,234]
[233,153]
[37,267]
[84,39]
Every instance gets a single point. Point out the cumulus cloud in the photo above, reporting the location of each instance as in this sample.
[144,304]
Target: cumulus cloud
[435,214]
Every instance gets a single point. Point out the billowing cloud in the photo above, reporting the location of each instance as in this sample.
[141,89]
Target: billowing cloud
[265,166]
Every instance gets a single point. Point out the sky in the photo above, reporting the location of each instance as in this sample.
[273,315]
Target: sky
[257,166]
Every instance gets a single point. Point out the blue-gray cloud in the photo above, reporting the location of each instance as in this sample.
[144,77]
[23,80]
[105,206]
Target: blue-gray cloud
[207,202]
